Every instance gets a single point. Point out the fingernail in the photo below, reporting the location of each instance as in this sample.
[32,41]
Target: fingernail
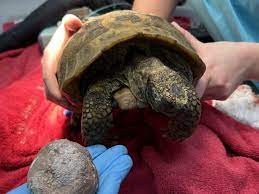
[72,28]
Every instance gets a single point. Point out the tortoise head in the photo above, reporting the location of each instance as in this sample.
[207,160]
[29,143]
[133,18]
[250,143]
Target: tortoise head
[167,92]
[171,93]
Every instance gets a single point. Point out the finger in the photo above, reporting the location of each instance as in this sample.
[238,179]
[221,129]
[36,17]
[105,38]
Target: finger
[193,41]
[53,94]
[201,86]
[52,88]
[222,98]
[72,23]
[108,157]
[216,94]
[50,62]
[51,56]
[55,47]
[96,150]
[112,178]
[23,189]
[209,96]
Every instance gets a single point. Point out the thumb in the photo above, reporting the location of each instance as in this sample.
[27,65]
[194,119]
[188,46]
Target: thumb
[111,179]
[72,23]
[193,41]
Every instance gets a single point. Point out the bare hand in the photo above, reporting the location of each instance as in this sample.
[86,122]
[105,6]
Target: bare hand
[227,66]
[52,53]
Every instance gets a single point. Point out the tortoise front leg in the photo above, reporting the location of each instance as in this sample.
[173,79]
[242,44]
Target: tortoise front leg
[96,117]
[97,112]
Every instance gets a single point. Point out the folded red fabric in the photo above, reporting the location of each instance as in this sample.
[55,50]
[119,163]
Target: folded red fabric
[27,120]
[222,156]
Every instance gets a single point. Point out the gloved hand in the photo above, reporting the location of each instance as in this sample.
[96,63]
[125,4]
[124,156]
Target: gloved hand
[112,164]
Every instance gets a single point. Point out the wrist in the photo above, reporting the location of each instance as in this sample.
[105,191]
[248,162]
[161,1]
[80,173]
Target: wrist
[159,8]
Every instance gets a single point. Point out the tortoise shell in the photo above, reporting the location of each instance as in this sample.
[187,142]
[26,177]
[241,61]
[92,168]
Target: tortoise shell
[100,34]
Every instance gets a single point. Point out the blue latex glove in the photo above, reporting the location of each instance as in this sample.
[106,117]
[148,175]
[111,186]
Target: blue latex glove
[112,164]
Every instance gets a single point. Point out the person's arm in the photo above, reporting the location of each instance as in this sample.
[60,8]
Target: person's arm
[228,64]
[162,8]
[251,50]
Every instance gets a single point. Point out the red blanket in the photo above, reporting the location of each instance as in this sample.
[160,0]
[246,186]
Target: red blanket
[222,156]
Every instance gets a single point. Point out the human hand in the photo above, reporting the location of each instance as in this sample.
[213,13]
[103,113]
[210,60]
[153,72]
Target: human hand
[227,66]
[52,53]
[112,165]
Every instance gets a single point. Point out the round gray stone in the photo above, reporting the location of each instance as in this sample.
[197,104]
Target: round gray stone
[63,167]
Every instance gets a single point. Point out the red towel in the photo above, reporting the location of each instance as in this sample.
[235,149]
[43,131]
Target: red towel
[222,156]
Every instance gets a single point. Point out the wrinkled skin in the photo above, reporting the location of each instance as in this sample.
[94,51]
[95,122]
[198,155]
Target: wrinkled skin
[166,88]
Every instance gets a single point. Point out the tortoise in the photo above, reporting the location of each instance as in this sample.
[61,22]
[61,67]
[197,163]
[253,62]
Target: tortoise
[130,60]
